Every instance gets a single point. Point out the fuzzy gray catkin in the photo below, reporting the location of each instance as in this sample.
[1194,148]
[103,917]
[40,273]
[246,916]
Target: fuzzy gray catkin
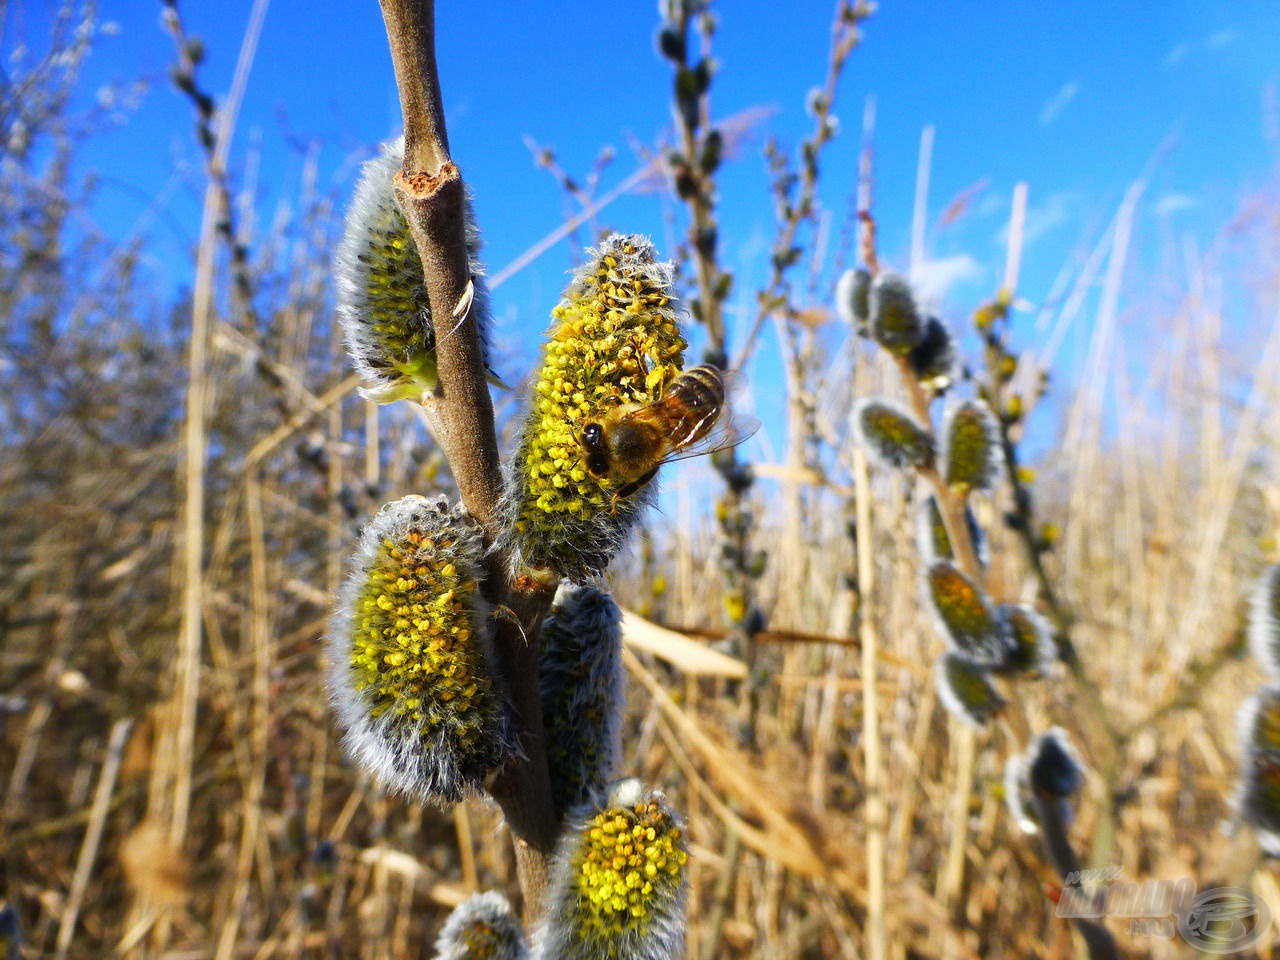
[853,293]
[971,451]
[966,690]
[381,291]
[933,359]
[1258,794]
[891,436]
[895,320]
[482,927]
[618,882]
[1053,769]
[581,680]
[931,534]
[1030,647]
[965,616]
[1264,621]
[410,673]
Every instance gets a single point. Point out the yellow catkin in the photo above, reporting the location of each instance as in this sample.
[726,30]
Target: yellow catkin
[615,341]
[410,673]
[618,882]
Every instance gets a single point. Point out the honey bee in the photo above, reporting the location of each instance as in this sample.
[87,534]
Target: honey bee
[630,442]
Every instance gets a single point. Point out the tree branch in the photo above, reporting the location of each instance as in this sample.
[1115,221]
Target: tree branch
[1053,814]
[431,193]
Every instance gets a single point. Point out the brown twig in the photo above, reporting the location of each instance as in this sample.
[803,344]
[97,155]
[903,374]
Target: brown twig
[430,191]
[1052,814]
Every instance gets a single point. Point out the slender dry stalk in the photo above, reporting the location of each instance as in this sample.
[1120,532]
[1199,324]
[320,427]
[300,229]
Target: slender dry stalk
[93,835]
[877,925]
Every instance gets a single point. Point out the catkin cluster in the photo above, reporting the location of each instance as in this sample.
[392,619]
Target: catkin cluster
[413,675]
[983,639]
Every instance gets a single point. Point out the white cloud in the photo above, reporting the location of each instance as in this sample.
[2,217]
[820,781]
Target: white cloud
[1177,54]
[1217,40]
[1221,38]
[1172,203]
[1058,102]
[934,278]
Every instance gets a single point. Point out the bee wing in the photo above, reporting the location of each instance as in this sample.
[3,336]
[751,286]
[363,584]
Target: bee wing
[730,429]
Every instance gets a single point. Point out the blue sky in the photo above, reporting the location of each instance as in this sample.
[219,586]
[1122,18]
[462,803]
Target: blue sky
[1073,98]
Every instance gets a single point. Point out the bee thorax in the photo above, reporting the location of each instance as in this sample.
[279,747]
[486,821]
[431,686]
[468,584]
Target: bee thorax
[635,448]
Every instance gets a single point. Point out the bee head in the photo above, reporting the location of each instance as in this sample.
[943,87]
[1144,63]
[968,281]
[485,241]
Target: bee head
[593,445]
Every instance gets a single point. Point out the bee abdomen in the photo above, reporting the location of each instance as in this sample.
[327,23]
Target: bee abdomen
[701,387]
[700,391]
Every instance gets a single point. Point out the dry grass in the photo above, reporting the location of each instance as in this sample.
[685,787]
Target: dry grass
[167,797]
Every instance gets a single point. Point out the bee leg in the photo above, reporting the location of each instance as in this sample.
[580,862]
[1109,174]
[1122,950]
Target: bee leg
[634,485]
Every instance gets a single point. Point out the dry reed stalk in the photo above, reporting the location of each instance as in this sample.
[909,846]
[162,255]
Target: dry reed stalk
[876,931]
[116,741]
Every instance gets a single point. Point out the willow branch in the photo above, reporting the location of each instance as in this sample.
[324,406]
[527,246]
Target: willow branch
[1053,814]
[431,192]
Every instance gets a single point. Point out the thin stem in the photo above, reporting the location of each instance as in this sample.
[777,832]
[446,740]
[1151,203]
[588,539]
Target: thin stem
[431,193]
[1053,814]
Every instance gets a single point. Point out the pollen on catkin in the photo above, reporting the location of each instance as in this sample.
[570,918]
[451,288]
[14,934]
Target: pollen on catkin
[615,342]
[965,616]
[933,541]
[853,293]
[895,320]
[966,690]
[618,882]
[1030,648]
[381,291]
[482,927]
[1264,621]
[1258,795]
[891,435]
[971,454]
[410,674]
[580,677]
